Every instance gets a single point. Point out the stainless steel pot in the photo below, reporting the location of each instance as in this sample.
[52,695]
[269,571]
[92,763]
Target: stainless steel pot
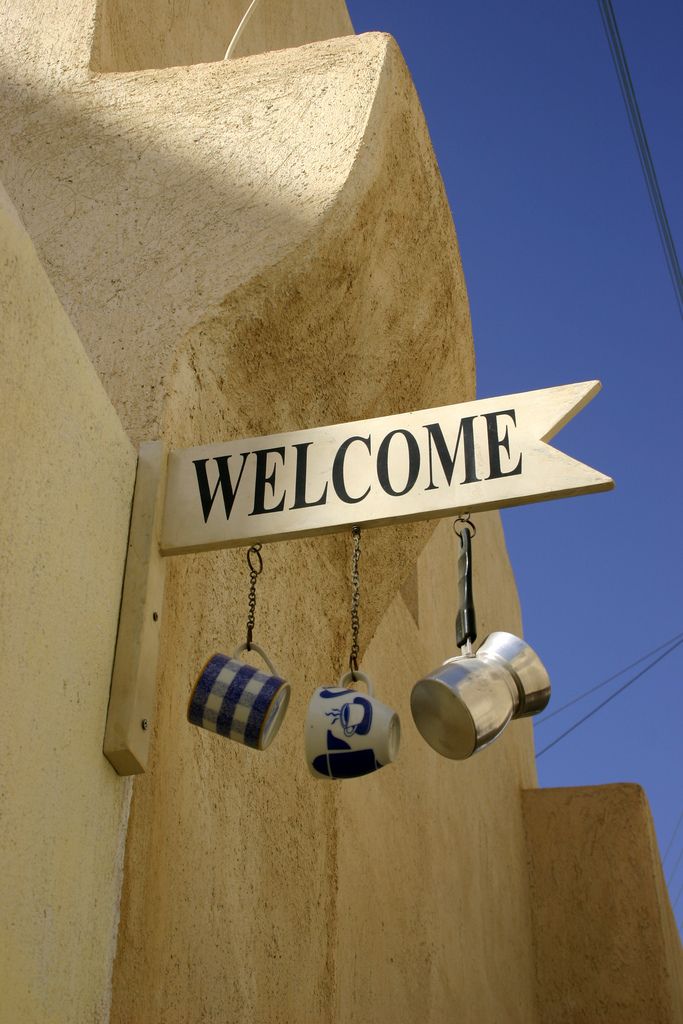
[467,702]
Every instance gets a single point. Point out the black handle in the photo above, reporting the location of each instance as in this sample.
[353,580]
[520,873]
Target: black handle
[465,623]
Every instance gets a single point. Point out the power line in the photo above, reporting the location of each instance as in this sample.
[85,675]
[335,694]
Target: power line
[678,896]
[673,871]
[646,162]
[586,693]
[673,836]
[611,697]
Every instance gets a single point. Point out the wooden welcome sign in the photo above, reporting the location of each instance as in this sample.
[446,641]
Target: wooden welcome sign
[460,458]
[478,455]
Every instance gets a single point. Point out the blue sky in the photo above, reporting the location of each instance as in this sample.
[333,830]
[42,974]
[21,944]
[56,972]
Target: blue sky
[567,281]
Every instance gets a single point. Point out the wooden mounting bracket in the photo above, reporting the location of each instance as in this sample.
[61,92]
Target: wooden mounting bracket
[133,684]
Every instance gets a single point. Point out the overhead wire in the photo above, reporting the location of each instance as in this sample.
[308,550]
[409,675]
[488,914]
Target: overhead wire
[657,204]
[674,869]
[611,697]
[673,836]
[642,146]
[678,896]
[545,717]
[672,873]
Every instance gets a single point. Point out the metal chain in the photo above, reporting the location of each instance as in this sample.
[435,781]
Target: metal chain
[355,601]
[255,570]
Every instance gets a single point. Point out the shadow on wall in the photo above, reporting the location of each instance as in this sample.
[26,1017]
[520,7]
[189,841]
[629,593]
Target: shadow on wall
[228,287]
[153,197]
[148,205]
[131,37]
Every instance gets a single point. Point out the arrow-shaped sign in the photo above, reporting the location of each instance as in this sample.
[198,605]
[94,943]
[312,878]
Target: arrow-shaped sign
[478,455]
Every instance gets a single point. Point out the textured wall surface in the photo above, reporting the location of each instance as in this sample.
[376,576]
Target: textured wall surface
[366,315]
[63,40]
[255,892]
[160,33]
[608,948]
[66,476]
[432,912]
[246,247]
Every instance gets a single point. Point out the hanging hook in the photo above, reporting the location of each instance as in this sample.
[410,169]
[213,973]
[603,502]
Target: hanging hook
[255,563]
[255,552]
[467,524]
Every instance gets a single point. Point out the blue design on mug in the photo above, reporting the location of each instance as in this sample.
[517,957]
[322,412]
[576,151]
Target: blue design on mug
[335,743]
[342,762]
[354,717]
[275,707]
[237,701]
[346,765]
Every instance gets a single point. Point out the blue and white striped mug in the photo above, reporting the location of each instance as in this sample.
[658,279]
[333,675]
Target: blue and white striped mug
[237,701]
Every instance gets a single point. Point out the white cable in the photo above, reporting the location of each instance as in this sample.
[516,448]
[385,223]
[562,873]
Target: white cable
[240,28]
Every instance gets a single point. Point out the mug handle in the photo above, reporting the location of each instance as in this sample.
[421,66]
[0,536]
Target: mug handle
[351,676]
[259,650]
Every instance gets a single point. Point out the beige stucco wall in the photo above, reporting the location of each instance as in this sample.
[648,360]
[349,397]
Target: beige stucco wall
[60,42]
[173,192]
[161,34]
[432,915]
[247,247]
[363,312]
[608,948]
[255,892]
[66,476]
[266,242]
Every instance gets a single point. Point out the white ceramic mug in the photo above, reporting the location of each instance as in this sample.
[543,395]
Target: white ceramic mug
[348,733]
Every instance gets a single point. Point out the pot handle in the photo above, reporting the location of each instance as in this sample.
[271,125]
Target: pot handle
[465,623]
